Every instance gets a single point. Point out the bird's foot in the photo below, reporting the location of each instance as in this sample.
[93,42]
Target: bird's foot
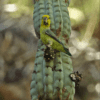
[49,44]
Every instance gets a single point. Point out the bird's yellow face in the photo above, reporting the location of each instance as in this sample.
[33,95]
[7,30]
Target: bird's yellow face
[45,21]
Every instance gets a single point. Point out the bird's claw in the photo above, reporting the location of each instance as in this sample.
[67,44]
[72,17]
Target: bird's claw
[49,46]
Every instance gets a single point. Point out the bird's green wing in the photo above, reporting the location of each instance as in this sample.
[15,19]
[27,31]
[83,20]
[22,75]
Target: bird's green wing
[52,35]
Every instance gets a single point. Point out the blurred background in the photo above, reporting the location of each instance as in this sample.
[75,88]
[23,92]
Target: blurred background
[18,45]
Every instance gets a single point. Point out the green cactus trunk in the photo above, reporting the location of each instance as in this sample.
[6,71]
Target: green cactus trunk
[50,80]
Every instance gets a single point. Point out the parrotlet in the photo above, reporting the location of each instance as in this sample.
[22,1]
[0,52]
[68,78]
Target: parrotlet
[49,38]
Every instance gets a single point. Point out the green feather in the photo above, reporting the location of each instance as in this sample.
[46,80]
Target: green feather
[67,51]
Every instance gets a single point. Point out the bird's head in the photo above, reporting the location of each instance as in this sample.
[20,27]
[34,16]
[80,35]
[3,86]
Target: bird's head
[45,21]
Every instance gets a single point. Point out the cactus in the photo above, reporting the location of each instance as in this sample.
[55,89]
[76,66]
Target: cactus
[50,80]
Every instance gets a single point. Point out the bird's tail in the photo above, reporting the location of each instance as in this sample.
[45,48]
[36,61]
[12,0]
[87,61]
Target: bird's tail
[67,51]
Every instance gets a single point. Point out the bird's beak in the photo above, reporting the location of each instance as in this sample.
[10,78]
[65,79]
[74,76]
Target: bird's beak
[45,21]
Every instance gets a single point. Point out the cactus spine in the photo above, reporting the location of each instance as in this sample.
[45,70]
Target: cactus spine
[50,80]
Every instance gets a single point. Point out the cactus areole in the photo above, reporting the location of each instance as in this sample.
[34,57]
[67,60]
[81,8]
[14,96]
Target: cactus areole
[50,78]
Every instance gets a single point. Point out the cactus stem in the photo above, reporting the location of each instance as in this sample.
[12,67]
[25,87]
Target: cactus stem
[67,98]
